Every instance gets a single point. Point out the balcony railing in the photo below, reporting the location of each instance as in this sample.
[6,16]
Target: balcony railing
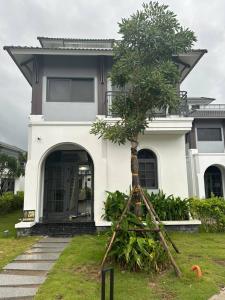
[181,110]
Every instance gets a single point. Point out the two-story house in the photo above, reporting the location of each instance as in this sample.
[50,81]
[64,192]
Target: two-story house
[69,170]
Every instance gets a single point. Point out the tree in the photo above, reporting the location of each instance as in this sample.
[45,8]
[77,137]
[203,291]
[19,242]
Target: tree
[10,168]
[145,71]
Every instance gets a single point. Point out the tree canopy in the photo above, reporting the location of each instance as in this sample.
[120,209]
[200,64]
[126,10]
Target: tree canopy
[144,70]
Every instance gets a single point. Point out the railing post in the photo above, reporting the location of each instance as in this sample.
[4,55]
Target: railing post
[111,280]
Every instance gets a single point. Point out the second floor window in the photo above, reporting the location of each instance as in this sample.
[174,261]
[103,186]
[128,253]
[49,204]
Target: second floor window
[209,134]
[70,90]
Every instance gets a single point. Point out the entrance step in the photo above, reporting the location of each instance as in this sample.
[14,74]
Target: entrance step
[63,229]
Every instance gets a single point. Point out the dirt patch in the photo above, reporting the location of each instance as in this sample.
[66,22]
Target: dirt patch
[219,262]
[90,271]
[160,291]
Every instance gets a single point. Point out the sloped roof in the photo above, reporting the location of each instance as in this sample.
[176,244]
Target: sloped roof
[23,55]
[11,147]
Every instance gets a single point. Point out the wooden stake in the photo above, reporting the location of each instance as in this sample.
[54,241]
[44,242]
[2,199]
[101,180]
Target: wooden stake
[176,268]
[115,231]
[157,219]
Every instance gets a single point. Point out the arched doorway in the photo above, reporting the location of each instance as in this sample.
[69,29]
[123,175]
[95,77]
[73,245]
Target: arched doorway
[213,182]
[148,174]
[68,186]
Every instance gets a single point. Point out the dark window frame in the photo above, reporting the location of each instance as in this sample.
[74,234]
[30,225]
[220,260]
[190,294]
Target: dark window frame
[145,161]
[205,139]
[71,89]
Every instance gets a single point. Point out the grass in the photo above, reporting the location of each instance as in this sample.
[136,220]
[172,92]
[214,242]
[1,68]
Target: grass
[75,275]
[10,246]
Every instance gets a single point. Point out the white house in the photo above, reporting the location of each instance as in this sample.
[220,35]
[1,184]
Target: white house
[69,170]
[12,184]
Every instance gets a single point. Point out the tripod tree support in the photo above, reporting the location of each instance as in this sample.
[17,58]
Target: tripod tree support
[155,220]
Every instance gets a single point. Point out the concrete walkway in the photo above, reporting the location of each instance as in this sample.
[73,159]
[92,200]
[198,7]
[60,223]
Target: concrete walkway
[220,296]
[21,278]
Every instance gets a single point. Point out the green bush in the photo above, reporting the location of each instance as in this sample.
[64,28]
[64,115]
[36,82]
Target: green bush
[10,202]
[168,208]
[114,205]
[211,212]
[135,250]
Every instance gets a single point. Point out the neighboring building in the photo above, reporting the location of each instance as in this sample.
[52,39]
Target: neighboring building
[205,148]
[69,170]
[11,184]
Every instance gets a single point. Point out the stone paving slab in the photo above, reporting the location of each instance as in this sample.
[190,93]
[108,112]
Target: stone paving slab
[20,279]
[42,266]
[13,280]
[220,296]
[38,256]
[43,250]
[55,240]
[50,245]
[16,292]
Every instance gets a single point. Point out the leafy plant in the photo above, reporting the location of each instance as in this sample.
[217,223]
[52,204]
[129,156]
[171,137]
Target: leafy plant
[210,211]
[136,250]
[169,208]
[114,205]
[10,202]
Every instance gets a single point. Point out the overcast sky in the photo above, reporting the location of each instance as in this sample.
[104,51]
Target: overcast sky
[21,21]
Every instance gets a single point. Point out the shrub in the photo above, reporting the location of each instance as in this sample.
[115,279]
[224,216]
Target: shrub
[10,202]
[168,208]
[211,212]
[135,250]
[114,205]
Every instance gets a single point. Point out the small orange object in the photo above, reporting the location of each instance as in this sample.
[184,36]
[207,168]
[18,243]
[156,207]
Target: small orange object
[198,270]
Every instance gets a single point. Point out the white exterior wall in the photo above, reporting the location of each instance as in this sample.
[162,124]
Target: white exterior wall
[19,184]
[111,162]
[197,164]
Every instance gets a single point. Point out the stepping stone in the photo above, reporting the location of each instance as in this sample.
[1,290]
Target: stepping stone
[43,250]
[50,245]
[17,292]
[34,266]
[38,256]
[14,280]
[55,240]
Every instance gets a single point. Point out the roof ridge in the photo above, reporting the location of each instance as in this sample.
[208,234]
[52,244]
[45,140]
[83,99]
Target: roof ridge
[74,39]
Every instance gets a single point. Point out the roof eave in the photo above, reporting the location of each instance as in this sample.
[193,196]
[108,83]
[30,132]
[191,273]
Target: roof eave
[7,48]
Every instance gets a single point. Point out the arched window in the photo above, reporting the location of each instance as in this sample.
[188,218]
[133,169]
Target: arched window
[213,182]
[148,174]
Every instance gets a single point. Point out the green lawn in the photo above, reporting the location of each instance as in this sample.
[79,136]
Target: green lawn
[11,246]
[75,275]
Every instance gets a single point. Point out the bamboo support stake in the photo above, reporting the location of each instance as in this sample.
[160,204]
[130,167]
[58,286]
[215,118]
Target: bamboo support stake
[157,219]
[165,246]
[115,231]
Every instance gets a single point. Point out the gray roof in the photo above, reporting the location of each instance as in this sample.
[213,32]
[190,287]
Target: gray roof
[11,147]
[23,55]
[207,114]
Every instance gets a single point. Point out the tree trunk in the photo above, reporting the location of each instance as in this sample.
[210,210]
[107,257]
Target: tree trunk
[136,196]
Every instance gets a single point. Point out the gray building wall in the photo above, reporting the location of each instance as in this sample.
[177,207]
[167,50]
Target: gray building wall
[209,146]
[72,67]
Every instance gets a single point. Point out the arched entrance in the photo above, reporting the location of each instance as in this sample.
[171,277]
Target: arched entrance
[213,182]
[68,186]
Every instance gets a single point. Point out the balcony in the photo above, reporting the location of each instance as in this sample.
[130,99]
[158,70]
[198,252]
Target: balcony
[181,110]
